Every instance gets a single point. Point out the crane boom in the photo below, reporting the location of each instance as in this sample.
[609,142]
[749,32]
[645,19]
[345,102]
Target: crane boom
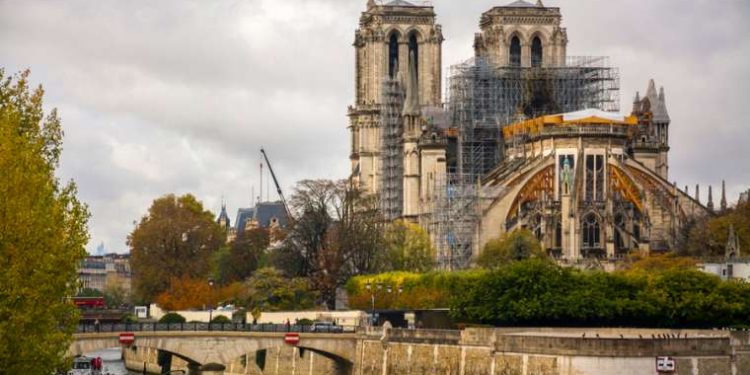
[276,182]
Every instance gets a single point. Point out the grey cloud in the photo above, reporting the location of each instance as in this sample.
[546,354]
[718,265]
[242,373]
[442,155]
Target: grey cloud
[178,96]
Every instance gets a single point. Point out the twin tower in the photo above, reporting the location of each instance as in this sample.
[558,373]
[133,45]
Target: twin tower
[400,41]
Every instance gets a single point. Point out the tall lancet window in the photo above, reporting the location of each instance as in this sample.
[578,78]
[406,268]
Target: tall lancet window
[515,51]
[393,56]
[536,52]
[414,51]
[591,232]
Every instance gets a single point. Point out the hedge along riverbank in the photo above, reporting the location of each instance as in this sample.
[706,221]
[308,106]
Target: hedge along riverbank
[541,293]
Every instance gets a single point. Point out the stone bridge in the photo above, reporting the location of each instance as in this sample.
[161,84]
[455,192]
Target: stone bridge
[500,351]
[212,350]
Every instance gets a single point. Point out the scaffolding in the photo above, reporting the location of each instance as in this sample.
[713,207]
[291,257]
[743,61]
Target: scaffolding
[482,98]
[391,150]
[451,222]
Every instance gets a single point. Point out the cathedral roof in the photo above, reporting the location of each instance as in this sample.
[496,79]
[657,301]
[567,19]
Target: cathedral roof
[522,4]
[399,3]
[264,213]
[583,117]
[243,215]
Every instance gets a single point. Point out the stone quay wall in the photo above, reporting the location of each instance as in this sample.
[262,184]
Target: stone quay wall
[503,351]
[554,352]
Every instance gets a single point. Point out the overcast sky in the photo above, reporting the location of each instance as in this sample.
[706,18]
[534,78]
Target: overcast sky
[162,97]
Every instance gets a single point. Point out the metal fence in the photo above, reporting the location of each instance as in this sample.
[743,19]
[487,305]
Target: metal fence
[202,327]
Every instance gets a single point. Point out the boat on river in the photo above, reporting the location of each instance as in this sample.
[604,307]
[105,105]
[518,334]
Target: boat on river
[84,366]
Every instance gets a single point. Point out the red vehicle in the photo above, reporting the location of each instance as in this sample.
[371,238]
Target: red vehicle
[90,302]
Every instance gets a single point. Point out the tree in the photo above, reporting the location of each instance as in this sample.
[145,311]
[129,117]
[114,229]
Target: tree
[269,290]
[43,231]
[408,248]
[186,293]
[238,261]
[337,234]
[510,246]
[707,236]
[175,239]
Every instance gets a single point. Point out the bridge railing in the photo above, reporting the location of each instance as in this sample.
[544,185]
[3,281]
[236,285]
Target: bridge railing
[195,327]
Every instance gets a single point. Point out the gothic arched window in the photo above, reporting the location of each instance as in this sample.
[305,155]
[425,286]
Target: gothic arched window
[393,56]
[414,51]
[591,232]
[515,51]
[536,52]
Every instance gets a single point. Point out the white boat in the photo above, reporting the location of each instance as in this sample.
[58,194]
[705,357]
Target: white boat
[83,366]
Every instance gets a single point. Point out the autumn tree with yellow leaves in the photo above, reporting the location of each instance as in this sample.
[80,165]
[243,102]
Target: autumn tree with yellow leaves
[43,231]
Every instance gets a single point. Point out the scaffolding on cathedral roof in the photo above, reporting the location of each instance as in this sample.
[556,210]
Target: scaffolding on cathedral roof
[483,98]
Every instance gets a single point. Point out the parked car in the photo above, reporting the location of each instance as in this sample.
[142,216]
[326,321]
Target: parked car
[326,327]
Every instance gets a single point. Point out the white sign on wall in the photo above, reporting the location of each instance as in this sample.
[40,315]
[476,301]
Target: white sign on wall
[665,364]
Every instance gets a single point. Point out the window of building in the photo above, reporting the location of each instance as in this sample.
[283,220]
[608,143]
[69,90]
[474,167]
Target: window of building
[594,178]
[515,51]
[414,51]
[393,56]
[536,52]
[591,232]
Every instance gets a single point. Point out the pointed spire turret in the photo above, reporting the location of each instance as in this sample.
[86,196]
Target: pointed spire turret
[651,92]
[710,204]
[723,203]
[223,219]
[732,249]
[698,193]
[637,102]
[660,108]
[370,4]
[539,3]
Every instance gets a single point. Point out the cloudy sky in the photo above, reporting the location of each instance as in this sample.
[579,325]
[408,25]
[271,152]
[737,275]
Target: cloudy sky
[178,96]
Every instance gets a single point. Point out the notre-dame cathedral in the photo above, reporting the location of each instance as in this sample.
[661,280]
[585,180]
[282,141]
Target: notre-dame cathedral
[526,137]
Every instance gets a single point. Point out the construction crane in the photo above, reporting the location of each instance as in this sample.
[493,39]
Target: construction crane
[278,187]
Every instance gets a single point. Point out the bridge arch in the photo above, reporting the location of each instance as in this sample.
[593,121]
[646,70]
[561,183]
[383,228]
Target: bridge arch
[222,348]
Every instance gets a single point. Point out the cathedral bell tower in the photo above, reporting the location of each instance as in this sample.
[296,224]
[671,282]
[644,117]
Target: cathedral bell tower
[522,34]
[388,33]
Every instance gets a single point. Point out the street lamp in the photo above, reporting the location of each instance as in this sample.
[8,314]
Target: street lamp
[210,306]
[371,287]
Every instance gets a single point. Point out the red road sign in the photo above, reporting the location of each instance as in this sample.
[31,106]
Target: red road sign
[127,338]
[291,338]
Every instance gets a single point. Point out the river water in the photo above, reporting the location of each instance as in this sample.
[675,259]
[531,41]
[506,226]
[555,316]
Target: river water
[111,362]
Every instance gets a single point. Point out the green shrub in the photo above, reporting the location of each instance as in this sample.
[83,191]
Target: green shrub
[221,319]
[172,318]
[539,292]
[305,322]
[129,318]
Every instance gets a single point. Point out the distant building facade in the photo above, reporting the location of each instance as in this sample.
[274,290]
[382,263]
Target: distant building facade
[266,215]
[102,272]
